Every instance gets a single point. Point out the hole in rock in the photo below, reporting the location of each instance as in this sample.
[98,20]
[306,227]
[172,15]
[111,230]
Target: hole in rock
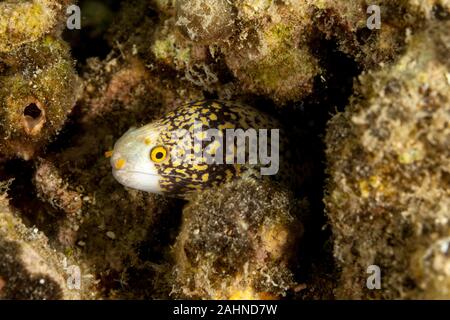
[33,118]
[33,111]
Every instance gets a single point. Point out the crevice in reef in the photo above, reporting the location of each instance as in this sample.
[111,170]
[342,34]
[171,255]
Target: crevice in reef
[331,95]
[23,197]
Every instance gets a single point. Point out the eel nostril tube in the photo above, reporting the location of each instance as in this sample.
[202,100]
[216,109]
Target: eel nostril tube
[33,118]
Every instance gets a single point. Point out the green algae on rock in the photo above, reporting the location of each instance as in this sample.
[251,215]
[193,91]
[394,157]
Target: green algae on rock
[280,65]
[38,88]
[270,55]
[387,153]
[26,21]
[388,161]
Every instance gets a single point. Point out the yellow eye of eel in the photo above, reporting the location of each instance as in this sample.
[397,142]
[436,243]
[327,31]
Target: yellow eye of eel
[158,154]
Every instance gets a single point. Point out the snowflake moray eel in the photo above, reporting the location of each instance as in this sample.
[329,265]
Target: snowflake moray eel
[165,156]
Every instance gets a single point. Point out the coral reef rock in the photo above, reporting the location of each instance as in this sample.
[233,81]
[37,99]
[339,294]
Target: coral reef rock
[26,21]
[388,159]
[38,88]
[238,243]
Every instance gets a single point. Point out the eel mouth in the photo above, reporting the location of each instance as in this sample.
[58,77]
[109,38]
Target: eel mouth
[139,180]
